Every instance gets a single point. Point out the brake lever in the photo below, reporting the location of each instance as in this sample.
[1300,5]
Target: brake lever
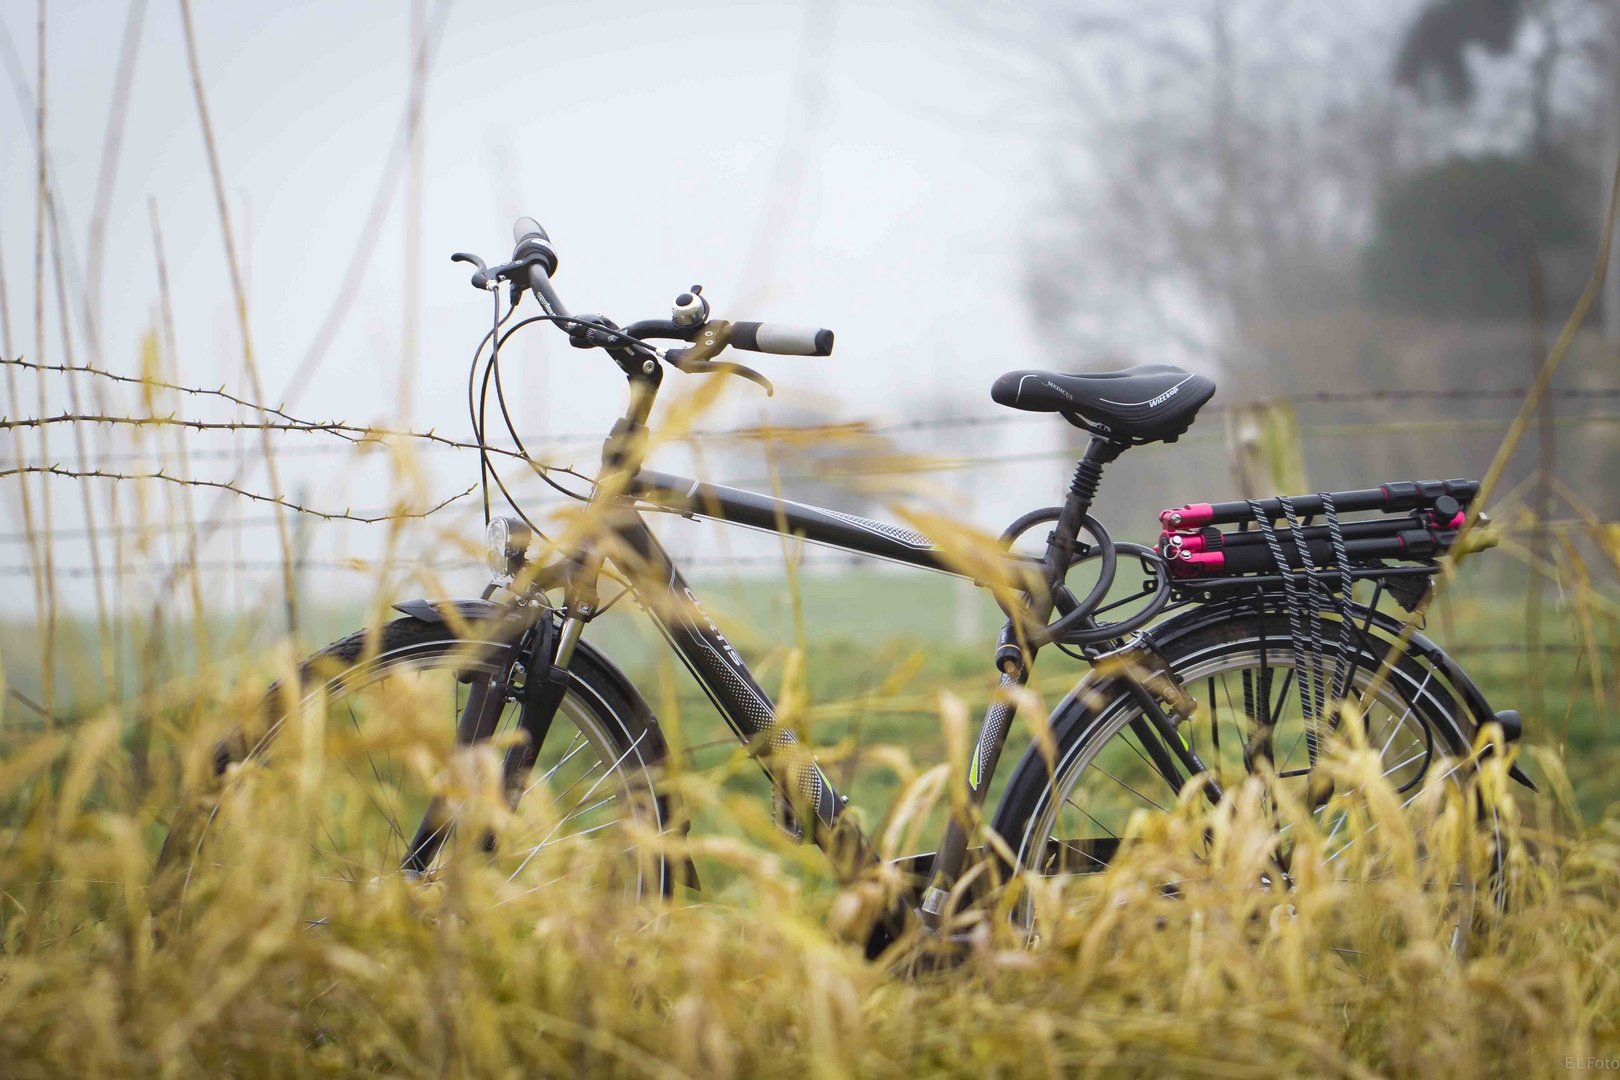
[480,280]
[514,272]
[697,366]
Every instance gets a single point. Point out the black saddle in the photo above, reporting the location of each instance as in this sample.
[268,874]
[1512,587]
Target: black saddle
[1146,403]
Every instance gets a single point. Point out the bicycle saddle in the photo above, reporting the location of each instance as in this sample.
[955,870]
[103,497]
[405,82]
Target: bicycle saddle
[1146,403]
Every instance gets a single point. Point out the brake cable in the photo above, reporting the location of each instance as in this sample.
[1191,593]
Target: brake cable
[511,427]
[472,411]
[477,406]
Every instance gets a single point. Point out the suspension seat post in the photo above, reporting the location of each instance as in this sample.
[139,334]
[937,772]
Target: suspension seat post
[1077,504]
[1088,477]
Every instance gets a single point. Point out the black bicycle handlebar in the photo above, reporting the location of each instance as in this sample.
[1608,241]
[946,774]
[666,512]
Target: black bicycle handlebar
[534,261]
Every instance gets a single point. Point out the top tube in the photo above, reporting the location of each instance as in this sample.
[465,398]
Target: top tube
[833,528]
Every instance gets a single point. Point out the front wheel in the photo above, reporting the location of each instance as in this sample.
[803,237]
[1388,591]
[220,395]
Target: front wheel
[375,721]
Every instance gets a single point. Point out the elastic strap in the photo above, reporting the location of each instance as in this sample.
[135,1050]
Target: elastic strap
[1315,699]
[1296,632]
[1341,556]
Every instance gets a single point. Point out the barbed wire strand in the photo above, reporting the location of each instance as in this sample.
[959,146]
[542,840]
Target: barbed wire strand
[153,382]
[365,434]
[233,488]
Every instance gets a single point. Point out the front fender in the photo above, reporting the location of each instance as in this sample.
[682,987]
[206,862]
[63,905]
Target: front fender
[478,611]
[468,610]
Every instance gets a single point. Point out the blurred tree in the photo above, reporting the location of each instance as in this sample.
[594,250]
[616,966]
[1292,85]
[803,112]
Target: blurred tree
[1454,240]
[1224,164]
[1217,171]
[1539,56]
[1433,57]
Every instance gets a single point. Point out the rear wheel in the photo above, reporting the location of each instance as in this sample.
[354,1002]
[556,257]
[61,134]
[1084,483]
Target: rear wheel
[1241,673]
[384,708]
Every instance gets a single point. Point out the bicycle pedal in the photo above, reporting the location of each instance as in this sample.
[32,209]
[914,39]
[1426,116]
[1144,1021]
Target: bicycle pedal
[786,819]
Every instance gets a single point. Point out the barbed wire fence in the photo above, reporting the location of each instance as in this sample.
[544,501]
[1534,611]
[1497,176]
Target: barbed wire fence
[335,438]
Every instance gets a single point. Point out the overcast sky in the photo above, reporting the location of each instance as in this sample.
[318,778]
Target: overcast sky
[873,168]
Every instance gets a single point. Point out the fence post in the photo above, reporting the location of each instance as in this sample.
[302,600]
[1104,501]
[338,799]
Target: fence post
[1264,449]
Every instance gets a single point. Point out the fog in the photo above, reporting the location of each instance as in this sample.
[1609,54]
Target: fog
[956,191]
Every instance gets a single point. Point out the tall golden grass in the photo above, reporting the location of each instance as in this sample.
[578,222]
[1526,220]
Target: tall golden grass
[1349,972]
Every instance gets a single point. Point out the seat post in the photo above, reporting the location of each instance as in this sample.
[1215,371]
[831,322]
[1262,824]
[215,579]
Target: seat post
[1082,490]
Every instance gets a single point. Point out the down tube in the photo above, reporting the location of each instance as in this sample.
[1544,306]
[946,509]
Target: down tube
[720,670]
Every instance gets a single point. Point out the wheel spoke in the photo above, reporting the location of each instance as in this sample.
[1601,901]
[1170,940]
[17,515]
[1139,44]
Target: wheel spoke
[355,837]
[1148,761]
[1094,821]
[390,812]
[1130,789]
[1101,781]
[1273,714]
[1410,706]
[631,749]
[565,759]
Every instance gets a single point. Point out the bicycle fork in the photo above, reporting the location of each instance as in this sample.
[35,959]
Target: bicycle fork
[535,675]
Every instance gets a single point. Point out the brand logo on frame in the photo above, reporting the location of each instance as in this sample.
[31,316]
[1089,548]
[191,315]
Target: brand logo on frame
[713,629]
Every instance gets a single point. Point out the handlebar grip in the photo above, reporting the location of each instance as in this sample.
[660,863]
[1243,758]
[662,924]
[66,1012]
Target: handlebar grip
[532,244]
[776,338]
[525,227]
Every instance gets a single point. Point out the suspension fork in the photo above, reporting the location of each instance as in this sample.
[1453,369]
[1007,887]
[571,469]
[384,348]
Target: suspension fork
[487,696]
[547,651]
[535,671]
[542,665]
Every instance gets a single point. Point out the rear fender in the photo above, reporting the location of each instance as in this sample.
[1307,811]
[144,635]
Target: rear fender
[1096,687]
[1419,645]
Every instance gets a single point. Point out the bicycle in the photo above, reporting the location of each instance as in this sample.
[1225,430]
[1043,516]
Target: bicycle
[1252,614]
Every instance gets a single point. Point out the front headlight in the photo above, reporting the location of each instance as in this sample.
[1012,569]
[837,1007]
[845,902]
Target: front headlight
[507,542]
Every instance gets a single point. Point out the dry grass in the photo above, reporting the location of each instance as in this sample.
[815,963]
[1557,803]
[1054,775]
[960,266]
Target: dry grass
[264,968]
[1347,973]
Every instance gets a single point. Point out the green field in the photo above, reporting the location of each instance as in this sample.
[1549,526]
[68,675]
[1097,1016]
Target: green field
[879,645]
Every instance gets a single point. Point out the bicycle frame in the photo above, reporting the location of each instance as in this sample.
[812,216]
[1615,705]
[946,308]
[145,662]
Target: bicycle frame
[721,671]
[709,655]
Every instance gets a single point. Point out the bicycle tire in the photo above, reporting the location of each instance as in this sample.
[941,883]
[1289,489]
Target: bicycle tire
[623,728]
[1026,818]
